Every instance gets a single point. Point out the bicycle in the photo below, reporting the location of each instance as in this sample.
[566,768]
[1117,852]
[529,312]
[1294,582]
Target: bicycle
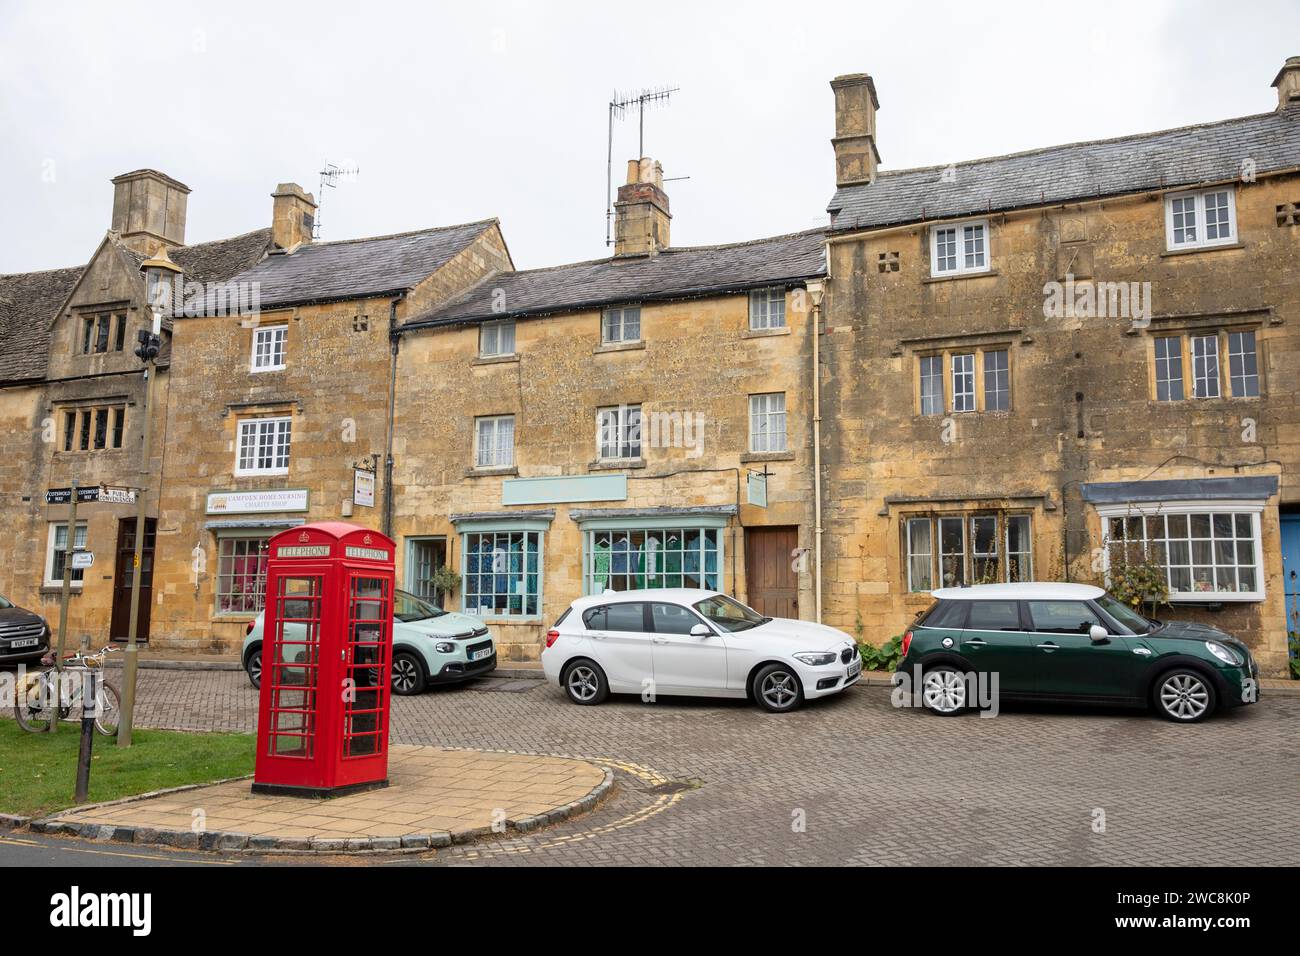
[34,704]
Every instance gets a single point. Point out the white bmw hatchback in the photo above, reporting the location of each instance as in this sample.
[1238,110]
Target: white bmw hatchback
[681,641]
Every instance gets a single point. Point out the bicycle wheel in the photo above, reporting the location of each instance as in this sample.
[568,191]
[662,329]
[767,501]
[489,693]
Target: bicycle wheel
[34,704]
[110,710]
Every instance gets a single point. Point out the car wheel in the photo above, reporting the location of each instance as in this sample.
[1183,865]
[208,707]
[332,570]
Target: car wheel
[777,689]
[1185,696]
[585,683]
[943,690]
[408,675]
[253,666]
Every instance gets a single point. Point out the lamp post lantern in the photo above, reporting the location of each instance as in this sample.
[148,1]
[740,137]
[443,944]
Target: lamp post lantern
[160,275]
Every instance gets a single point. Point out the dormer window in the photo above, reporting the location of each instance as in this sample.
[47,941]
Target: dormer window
[959,249]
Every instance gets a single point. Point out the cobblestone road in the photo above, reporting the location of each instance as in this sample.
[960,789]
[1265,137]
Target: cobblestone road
[722,783]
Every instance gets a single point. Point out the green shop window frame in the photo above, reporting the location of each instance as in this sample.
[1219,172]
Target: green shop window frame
[650,557]
[517,598]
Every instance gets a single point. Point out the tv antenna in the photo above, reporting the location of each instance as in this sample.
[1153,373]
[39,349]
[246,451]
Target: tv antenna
[330,176]
[618,107]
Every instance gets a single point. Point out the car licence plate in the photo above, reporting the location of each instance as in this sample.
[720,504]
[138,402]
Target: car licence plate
[25,642]
[855,669]
[480,655]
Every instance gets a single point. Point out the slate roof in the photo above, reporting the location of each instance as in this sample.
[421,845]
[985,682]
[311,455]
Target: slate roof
[29,301]
[1211,152]
[358,268]
[675,273]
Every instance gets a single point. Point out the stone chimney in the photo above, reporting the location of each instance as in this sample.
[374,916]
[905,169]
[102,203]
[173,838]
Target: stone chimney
[149,210]
[1287,83]
[641,216]
[856,157]
[293,216]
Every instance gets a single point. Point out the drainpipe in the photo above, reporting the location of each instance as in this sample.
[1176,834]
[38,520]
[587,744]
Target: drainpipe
[815,292]
[394,340]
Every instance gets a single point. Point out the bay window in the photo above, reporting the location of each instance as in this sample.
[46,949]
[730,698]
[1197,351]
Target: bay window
[1208,552]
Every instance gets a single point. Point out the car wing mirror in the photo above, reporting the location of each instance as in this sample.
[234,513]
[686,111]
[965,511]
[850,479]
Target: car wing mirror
[1098,634]
[701,630]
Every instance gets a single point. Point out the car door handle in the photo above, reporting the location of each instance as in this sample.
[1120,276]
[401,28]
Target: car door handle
[659,640]
[977,643]
[1049,646]
[1144,651]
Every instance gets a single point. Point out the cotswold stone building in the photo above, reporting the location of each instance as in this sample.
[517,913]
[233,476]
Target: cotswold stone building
[1039,362]
[270,414]
[1003,369]
[71,397]
[597,425]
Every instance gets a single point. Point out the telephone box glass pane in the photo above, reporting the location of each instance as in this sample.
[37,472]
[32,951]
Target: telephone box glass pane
[294,664]
[370,615]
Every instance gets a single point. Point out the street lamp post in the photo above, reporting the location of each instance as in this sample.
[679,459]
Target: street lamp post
[159,273]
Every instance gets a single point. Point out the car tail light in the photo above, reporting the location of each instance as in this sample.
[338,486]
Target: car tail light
[552,636]
[907,642]
[249,630]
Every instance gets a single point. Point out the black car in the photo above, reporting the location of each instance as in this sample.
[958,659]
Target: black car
[24,636]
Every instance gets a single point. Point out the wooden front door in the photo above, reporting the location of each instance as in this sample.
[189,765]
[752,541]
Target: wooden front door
[772,584]
[121,621]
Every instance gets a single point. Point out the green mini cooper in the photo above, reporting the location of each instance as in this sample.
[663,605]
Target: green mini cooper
[1069,642]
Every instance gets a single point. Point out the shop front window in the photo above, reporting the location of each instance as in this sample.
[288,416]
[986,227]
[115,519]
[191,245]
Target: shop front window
[241,575]
[629,559]
[503,573]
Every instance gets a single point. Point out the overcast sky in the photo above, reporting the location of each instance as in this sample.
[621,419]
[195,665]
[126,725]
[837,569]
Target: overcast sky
[457,113]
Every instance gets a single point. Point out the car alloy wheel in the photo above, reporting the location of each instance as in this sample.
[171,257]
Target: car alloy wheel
[779,690]
[1184,696]
[583,684]
[776,688]
[255,669]
[406,674]
[944,690]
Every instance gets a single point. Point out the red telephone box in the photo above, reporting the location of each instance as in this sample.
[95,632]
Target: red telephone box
[322,726]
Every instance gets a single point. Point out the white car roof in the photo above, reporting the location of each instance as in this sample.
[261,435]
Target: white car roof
[1029,591]
[675,595]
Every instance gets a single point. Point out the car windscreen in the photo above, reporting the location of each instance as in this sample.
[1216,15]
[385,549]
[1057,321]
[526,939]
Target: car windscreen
[729,614]
[1124,615]
[407,608]
[4,603]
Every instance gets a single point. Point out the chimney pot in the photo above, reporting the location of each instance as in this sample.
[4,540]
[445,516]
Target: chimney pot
[293,216]
[1287,83]
[149,210]
[856,156]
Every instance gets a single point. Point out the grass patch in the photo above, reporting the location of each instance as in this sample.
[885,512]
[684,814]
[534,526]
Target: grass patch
[38,772]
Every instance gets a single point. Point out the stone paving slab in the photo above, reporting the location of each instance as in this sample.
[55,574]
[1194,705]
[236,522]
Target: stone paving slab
[435,797]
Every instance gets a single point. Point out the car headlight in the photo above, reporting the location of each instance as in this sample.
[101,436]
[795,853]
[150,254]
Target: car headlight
[816,658]
[1225,654]
[445,647]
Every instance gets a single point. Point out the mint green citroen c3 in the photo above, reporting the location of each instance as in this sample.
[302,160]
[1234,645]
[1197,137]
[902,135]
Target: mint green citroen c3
[1069,643]
[430,646]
